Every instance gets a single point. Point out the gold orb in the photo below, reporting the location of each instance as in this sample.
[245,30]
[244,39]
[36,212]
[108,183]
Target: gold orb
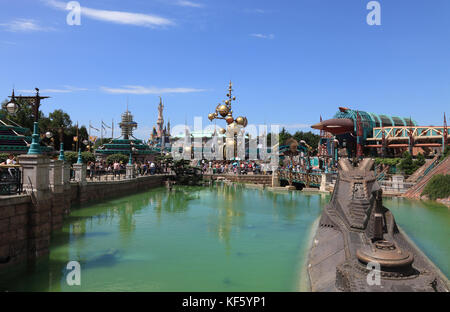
[210,117]
[227,102]
[222,131]
[240,121]
[223,110]
[229,119]
[234,98]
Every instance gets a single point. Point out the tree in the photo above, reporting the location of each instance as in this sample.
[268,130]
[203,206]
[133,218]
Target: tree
[72,157]
[121,158]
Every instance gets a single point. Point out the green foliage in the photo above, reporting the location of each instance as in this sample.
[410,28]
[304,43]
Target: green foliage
[408,165]
[87,157]
[72,157]
[310,138]
[420,160]
[391,162]
[438,187]
[3,157]
[121,158]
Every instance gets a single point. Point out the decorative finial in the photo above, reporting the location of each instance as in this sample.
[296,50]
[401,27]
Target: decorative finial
[80,159]
[61,152]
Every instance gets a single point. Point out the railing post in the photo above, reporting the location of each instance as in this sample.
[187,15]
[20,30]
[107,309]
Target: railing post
[80,173]
[275,178]
[323,182]
[129,171]
[56,176]
[35,174]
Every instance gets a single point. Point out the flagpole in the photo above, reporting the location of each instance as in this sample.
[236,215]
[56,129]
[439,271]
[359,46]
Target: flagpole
[89,136]
[77,137]
[112,130]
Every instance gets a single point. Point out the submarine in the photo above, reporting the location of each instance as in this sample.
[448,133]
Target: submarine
[358,246]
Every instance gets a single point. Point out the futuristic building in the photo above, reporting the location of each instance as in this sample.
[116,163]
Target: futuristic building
[368,133]
[15,139]
[127,144]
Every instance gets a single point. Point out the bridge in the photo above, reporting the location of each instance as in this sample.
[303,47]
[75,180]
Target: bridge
[307,179]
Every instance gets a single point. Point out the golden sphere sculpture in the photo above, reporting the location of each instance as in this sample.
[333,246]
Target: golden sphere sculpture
[229,119]
[240,121]
[223,110]
[222,131]
[211,117]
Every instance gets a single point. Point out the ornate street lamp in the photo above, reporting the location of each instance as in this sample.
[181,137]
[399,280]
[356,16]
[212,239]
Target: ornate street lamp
[35,102]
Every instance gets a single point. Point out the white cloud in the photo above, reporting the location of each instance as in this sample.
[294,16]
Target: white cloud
[148,90]
[66,89]
[263,36]
[258,11]
[24,25]
[118,17]
[191,4]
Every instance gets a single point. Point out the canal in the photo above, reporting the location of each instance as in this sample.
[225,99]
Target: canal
[225,238]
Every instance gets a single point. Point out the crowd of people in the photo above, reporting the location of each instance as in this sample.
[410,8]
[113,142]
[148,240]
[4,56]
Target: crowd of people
[235,167]
[117,168]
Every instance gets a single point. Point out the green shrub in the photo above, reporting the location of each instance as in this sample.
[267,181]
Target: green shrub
[392,162]
[121,158]
[438,187]
[72,157]
[3,157]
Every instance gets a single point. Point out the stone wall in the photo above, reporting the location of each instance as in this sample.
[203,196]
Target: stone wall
[14,221]
[94,191]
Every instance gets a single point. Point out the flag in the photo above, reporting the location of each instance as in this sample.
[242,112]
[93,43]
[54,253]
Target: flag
[105,125]
[90,126]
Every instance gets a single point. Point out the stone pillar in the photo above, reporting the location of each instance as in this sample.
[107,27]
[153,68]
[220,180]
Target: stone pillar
[275,178]
[59,201]
[56,176]
[35,174]
[129,171]
[66,175]
[397,182]
[323,183]
[80,173]
[36,182]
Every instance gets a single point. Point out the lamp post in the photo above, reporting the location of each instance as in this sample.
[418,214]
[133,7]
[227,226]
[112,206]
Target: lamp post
[224,111]
[35,102]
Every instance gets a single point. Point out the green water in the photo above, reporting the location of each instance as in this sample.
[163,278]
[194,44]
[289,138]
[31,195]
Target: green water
[227,238]
[427,225]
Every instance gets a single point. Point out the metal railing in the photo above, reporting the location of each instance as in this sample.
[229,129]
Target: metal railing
[395,187]
[10,180]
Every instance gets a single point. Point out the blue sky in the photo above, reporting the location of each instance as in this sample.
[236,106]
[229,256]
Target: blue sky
[290,61]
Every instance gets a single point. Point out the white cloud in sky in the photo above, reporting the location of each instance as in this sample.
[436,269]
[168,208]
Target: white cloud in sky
[148,90]
[117,17]
[191,4]
[258,11]
[263,36]
[24,25]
